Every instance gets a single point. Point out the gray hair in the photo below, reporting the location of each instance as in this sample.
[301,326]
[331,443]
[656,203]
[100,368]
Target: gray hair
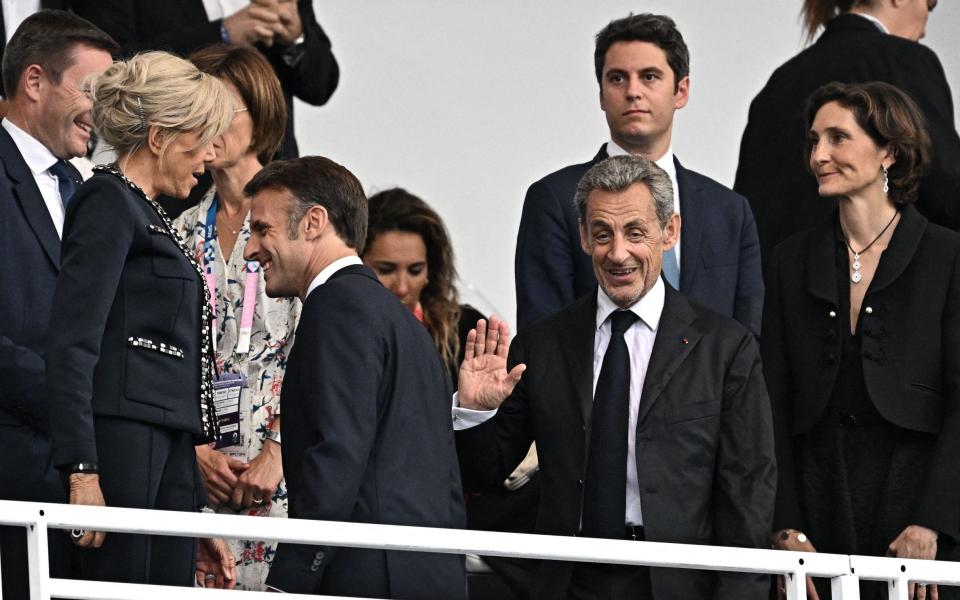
[617,173]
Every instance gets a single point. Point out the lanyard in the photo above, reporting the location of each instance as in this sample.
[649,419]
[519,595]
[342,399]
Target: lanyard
[251,280]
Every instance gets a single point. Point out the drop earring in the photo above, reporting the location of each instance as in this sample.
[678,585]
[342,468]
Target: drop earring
[886,179]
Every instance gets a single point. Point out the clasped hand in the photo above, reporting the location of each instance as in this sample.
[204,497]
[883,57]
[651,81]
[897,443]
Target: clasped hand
[266,22]
[240,484]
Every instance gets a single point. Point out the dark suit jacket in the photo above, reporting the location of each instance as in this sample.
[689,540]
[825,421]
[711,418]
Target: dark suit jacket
[704,439]
[181,26]
[772,172]
[719,252]
[910,326]
[367,438]
[30,248]
[122,277]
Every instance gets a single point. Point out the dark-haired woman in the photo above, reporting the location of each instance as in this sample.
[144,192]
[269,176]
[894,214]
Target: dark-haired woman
[861,345]
[410,251]
[862,40]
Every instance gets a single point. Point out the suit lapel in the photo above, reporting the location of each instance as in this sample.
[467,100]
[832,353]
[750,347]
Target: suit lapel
[676,338]
[691,226]
[27,195]
[903,245]
[601,154]
[576,343]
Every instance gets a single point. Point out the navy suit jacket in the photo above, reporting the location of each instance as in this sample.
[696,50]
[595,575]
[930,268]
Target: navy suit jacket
[30,249]
[367,438]
[719,251]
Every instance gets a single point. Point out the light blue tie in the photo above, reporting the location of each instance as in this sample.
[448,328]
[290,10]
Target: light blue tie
[671,270]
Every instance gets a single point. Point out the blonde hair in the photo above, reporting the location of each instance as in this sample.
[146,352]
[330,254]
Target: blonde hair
[161,90]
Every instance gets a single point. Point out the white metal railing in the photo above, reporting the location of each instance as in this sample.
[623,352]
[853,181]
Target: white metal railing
[845,571]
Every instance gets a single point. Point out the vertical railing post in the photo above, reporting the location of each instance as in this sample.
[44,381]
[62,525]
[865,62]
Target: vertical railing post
[845,587]
[38,557]
[796,583]
[899,587]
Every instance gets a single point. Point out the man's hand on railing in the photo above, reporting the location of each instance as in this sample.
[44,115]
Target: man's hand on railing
[85,489]
[484,382]
[220,473]
[920,542]
[793,541]
[216,565]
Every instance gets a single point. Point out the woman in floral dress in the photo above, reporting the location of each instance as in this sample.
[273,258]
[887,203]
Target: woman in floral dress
[253,333]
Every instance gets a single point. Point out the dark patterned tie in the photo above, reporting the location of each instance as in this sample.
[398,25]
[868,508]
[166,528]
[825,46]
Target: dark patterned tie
[605,488]
[65,180]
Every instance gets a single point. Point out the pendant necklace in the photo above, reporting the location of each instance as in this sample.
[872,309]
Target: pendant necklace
[856,276]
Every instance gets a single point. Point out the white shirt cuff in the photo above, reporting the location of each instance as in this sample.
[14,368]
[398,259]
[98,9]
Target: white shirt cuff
[465,418]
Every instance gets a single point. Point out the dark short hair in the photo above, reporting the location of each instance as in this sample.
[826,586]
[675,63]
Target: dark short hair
[891,118]
[658,30]
[315,180]
[48,38]
[247,69]
[396,209]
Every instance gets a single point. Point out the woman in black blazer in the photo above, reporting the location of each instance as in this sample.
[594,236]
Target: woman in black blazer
[861,342]
[129,360]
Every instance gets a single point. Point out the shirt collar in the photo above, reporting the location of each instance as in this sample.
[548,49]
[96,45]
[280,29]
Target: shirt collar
[37,156]
[665,162]
[648,308]
[875,21]
[332,268]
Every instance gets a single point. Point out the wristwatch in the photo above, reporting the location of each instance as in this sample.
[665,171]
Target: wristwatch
[273,435]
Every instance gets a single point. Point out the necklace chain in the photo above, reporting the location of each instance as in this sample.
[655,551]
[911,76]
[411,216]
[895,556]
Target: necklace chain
[856,276]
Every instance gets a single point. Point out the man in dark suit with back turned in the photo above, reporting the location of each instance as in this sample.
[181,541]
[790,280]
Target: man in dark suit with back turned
[366,399]
[642,66]
[44,68]
[875,41]
[649,412]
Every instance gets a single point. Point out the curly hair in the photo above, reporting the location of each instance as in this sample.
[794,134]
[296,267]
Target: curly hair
[398,210]
[891,118]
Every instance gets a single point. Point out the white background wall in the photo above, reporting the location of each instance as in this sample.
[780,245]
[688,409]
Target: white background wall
[467,103]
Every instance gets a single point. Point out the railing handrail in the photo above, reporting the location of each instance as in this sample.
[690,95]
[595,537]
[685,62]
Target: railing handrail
[845,570]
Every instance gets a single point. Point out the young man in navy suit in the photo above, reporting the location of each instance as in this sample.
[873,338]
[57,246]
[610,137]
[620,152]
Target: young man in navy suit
[642,66]
[45,65]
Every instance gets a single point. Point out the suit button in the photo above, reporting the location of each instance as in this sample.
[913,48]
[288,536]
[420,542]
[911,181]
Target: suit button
[848,420]
[832,314]
[868,310]
[580,483]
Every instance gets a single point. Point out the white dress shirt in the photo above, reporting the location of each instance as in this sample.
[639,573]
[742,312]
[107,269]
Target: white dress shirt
[221,9]
[39,160]
[639,338]
[875,21]
[15,12]
[666,163]
[328,271]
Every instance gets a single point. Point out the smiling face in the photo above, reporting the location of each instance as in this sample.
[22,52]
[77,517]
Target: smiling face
[284,261]
[638,95]
[181,164]
[622,234]
[399,258]
[843,157]
[235,143]
[63,123]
